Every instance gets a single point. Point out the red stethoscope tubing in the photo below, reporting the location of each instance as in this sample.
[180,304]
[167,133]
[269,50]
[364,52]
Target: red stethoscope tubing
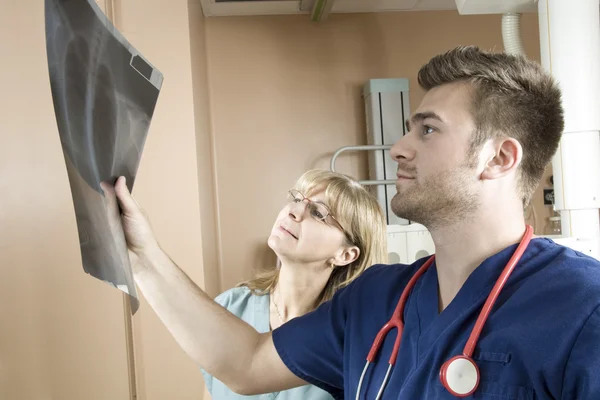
[397,322]
[491,300]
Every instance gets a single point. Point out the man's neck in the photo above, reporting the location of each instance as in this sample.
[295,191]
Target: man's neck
[298,288]
[462,247]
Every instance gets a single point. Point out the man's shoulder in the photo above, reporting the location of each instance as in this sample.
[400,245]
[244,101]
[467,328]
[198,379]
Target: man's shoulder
[571,265]
[389,274]
[396,269]
[564,277]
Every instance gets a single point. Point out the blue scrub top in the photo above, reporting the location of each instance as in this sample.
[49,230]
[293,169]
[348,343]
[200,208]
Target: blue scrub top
[541,340]
[254,309]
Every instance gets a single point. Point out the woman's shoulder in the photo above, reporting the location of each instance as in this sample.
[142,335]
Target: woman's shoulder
[241,300]
[233,295]
[305,392]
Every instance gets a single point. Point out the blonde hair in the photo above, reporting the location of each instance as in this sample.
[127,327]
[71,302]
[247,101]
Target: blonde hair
[362,218]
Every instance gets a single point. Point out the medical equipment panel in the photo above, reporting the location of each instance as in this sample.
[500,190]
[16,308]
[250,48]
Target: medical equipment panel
[386,110]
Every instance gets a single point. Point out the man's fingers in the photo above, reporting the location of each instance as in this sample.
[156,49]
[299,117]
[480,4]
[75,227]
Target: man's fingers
[125,199]
[106,187]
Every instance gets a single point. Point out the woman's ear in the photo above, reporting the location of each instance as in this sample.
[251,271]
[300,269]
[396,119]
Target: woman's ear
[505,156]
[346,256]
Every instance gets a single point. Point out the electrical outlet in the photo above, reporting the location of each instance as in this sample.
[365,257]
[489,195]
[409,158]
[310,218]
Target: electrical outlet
[548,197]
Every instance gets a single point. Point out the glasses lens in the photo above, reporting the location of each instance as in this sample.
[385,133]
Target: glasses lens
[318,211]
[296,196]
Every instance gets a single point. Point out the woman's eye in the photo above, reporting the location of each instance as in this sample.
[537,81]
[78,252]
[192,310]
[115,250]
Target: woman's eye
[317,214]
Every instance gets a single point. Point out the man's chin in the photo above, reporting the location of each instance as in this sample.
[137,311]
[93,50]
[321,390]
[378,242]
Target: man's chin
[406,210]
[399,212]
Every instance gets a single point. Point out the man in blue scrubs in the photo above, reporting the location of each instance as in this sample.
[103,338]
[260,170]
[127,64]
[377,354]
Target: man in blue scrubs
[476,149]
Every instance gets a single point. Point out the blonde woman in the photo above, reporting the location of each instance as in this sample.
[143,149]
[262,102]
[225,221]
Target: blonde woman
[330,230]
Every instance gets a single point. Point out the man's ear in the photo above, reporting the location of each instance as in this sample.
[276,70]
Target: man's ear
[347,256]
[504,157]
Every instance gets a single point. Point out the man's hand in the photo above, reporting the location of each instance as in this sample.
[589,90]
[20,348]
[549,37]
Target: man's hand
[136,226]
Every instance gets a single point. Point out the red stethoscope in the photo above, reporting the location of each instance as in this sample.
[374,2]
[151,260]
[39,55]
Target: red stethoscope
[459,375]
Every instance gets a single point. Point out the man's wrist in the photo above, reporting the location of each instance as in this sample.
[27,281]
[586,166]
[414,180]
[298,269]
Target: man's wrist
[148,257]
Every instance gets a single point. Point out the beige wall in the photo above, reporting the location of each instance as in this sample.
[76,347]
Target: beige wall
[61,331]
[167,186]
[286,93]
[205,149]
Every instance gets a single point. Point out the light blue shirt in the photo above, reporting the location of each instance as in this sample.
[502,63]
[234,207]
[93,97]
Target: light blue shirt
[254,310]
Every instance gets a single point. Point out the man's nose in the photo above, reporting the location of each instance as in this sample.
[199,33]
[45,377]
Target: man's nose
[402,149]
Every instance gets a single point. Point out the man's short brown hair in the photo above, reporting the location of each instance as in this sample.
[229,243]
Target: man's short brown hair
[512,97]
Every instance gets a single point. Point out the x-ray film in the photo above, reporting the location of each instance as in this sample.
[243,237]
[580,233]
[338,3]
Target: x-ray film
[104,93]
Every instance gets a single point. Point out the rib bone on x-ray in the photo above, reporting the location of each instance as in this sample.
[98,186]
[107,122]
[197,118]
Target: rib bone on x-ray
[104,93]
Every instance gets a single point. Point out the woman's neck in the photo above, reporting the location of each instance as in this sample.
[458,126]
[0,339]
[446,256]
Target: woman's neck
[297,290]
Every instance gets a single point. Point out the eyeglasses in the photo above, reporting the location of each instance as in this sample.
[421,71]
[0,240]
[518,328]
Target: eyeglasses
[317,210]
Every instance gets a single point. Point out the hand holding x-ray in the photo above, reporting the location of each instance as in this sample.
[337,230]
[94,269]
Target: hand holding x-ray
[128,218]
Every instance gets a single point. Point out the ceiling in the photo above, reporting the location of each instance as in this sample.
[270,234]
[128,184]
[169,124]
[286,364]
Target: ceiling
[279,7]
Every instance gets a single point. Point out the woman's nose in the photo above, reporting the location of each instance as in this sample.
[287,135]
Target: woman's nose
[297,210]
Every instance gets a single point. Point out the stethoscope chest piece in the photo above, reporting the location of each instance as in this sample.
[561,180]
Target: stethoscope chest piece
[460,376]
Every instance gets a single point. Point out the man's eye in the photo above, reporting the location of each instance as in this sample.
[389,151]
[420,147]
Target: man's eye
[427,129]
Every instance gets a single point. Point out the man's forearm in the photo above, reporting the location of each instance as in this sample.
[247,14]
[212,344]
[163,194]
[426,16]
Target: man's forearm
[214,338]
[224,345]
